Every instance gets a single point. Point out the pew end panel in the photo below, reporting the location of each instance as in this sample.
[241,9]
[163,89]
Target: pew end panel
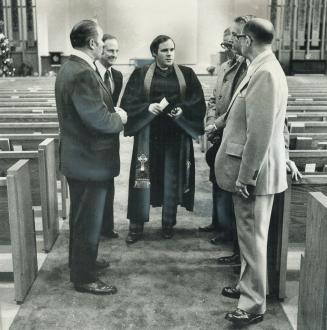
[22,228]
[48,188]
[312,307]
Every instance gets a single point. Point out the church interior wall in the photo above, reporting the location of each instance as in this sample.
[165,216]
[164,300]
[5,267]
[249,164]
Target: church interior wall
[196,25]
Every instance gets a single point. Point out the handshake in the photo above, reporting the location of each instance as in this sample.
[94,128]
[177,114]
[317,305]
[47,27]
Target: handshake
[122,113]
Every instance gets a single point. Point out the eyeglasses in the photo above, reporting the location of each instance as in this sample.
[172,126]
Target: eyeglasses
[238,36]
[225,45]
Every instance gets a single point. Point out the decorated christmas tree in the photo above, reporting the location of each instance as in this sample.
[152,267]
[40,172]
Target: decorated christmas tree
[6,63]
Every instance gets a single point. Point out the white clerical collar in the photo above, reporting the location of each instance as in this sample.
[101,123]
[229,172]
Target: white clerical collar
[102,69]
[84,57]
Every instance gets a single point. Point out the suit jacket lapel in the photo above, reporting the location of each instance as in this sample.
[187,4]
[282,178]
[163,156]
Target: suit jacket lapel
[245,81]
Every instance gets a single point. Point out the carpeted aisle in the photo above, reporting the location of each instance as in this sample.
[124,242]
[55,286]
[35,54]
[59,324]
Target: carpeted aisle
[162,284]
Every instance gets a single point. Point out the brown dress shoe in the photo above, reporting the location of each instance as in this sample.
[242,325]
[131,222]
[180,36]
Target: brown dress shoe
[98,287]
[240,317]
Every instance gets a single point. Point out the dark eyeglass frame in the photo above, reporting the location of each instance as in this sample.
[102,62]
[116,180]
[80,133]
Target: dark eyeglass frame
[238,36]
[225,45]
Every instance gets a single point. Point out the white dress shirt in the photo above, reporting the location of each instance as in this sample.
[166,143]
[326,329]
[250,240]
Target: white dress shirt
[84,57]
[102,70]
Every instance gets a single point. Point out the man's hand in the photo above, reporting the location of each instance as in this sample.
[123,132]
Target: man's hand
[175,113]
[155,108]
[122,113]
[291,167]
[210,128]
[242,189]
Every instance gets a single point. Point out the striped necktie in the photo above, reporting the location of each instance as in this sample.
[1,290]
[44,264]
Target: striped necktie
[107,78]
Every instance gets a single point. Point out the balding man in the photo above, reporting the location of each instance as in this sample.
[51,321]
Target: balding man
[251,163]
[89,152]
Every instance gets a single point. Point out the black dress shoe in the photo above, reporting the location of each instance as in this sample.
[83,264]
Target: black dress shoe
[234,259]
[208,229]
[241,318]
[220,239]
[112,234]
[132,237]
[231,292]
[101,264]
[167,232]
[97,287]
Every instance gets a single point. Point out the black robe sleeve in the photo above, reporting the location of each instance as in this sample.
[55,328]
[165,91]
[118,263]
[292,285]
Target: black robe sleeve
[193,105]
[134,102]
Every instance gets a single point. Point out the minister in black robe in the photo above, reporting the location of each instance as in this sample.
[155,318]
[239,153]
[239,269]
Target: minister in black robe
[162,169]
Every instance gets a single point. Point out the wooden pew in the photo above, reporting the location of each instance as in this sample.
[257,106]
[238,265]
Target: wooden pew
[312,305]
[36,104]
[40,110]
[17,226]
[308,127]
[43,183]
[306,108]
[305,117]
[304,157]
[307,141]
[13,127]
[31,142]
[28,117]
[293,209]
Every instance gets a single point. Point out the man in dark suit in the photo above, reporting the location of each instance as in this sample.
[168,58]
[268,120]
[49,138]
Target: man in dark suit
[113,79]
[89,152]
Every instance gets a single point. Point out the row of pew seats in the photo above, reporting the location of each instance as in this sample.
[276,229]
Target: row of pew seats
[30,182]
[29,132]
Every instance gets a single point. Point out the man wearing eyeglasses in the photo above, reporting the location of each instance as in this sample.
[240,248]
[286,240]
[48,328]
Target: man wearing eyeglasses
[229,76]
[250,163]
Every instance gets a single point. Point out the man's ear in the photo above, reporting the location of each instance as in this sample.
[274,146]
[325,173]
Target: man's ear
[249,41]
[92,43]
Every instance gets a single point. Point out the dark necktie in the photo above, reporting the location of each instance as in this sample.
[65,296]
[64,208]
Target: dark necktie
[241,73]
[107,77]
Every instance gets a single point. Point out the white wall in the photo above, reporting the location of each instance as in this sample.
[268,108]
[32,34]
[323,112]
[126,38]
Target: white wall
[196,25]
[134,22]
[214,16]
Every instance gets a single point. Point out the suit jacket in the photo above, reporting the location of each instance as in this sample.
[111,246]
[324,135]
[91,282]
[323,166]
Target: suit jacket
[253,148]
[118,81]
[89,126]
[223,90]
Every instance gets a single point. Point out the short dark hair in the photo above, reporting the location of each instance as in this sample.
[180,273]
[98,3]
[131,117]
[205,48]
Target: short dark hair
[108,36]
[157,41]
[243,19]
[260,30]
[82,32]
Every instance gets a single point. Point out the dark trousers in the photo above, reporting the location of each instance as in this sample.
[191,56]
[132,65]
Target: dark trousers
[87,204]
[169,187]
[108,216]
[223,209]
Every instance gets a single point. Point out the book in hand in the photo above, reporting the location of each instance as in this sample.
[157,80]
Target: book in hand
[166,107]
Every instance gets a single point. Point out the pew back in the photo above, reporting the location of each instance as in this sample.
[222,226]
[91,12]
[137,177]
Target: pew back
[22,228]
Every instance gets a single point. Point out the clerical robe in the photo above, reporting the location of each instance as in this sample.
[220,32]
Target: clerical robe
[171,157]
